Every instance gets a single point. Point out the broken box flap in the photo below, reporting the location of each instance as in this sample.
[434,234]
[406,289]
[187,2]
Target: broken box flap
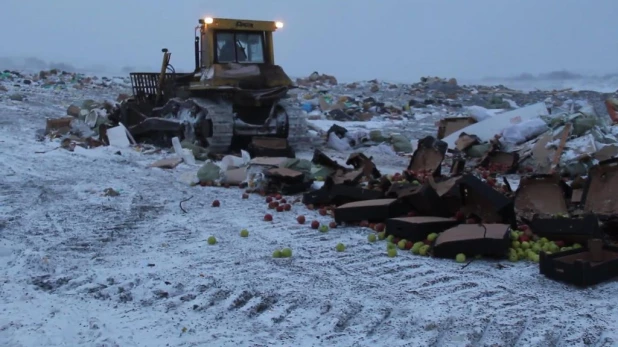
[471,232]
[285,173]
[352,177]
[473,239]
[504,162]
[428,156]
[368,203]
[424,219]
[601,189]
[481,199]
[417,228]
[322,159]
[541,194]
[268,161]
[446,187]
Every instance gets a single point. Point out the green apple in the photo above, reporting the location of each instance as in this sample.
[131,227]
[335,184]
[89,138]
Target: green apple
[577,245]
[340,247]
[416,247]
[553,247]
[525,245]
[402,244]
[392,252]
[535,258]
[460,258]
[212,240]
[371,237]
[536,248]
[415,182]
[390,238]
[513,255]
[515,244]
[277,254]
[514,236]
[381,235]
[323,228]
[390,245]
[424,250]
[431,237]
[244,233]
[543,240]
[286,253]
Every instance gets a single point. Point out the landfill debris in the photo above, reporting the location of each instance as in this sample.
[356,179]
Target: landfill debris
[492,171]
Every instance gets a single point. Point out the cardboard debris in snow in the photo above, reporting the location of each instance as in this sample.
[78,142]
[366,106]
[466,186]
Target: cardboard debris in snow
[167,163]
[474,239]
[449,125]
[270,147]
[58,125]
[601,191]
[428,157]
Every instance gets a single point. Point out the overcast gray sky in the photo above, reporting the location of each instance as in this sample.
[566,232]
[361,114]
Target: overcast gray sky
[397,40]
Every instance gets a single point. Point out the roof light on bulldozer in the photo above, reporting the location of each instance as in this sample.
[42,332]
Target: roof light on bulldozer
[208,20]
[278,25]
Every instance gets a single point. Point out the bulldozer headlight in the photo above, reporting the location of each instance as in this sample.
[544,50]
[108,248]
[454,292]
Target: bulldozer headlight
[278,25]
[208,20]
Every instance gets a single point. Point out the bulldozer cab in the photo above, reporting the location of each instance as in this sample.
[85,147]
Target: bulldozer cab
[223,40]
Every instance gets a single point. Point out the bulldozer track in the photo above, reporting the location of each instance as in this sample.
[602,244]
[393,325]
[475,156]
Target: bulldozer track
[221,115]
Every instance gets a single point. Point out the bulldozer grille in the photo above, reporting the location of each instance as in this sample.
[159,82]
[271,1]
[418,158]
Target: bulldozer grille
[146,84]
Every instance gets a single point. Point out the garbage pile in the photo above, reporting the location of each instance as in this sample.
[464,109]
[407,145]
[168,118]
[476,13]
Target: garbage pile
[535,194]
[322,98]
[57,80]
[532,183]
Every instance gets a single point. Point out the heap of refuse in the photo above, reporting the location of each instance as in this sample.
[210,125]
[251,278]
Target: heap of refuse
[497,173]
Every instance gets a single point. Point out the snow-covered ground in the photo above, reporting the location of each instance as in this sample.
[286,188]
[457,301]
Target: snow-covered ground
[82,269]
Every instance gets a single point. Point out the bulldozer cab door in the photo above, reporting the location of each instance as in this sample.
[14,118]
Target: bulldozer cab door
[240,47]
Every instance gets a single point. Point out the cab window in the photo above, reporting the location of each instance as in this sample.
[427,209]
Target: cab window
[240,47]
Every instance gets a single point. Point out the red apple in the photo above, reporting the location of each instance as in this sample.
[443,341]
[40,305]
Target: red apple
[364,224]
[287,207]
[216,203]
[523,238]
[283,201]
[323,212]
[300,219]
[409,245]
[523,227]
[278,196]
[559,243]
[245,196]
[280,208]
[332,225]
[268,217]
[272,205]
[379,227]
[460,216]
[396,240]
[269,200]
[315,224]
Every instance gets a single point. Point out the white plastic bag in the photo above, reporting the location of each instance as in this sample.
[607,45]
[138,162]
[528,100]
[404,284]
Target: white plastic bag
[338,144]
[479,113]
[230,161]
[524,131]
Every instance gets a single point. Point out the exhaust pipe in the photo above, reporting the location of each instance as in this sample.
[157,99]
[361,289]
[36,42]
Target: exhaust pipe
[197,53]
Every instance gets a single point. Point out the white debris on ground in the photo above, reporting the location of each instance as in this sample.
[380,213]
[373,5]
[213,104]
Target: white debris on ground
[96,251]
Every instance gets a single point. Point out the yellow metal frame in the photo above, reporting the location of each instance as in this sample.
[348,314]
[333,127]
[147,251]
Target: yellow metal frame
[207,32]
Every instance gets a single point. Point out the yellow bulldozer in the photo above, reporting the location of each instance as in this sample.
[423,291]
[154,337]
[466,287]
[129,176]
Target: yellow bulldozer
[235,93]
